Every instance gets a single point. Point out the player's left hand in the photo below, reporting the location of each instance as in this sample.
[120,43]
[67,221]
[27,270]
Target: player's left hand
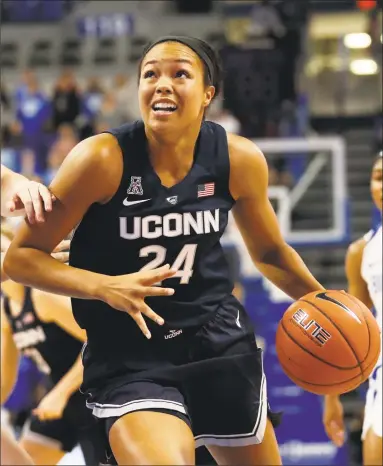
[34,198]
[51,406]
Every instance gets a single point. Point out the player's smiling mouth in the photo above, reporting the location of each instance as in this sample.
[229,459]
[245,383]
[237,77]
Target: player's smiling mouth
[164,107]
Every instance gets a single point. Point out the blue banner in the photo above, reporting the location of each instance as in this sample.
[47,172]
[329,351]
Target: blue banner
[108,25]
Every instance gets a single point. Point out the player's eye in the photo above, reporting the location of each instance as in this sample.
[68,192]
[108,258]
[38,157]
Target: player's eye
[182,74]
[149,74]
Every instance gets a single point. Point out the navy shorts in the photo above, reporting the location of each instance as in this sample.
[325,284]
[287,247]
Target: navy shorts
[217,386]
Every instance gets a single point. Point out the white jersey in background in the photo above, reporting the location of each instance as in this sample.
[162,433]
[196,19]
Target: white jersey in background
[372,269]
[372,275]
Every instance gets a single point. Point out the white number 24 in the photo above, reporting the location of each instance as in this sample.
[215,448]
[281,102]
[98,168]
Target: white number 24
[183,264]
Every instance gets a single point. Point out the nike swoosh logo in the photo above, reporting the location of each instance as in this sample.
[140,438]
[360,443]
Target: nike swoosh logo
[323,295]
[237,321]
[129,203]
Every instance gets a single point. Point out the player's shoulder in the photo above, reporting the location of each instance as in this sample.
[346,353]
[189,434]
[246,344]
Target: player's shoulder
[98,151]
[247,163]
[97,146]
[243,152]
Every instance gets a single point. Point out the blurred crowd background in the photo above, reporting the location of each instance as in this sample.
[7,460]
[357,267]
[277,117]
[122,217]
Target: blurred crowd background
[293,70]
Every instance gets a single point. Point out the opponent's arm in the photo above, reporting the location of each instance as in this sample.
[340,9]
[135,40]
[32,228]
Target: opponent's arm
[356,285]
[54,402]
[9,357]
[21,196]
[58,309]
[258,223]
[333,418]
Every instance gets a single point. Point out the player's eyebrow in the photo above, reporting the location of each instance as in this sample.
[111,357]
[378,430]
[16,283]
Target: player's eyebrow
[176,60]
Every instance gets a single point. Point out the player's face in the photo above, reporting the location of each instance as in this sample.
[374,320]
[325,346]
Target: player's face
[376,184]
[172,93]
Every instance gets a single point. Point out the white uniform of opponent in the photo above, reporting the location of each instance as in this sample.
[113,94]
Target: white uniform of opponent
[372,275]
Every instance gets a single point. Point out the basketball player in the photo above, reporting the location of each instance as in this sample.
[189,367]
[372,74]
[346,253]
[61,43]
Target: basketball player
[18,196]
[152,192]
[364,274]
[41,326]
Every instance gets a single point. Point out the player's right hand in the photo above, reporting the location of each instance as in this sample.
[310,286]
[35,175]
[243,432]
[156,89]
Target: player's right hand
[61,251]
[333,420]
[127,293]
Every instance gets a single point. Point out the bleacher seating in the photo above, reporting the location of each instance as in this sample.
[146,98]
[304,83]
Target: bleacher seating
[70,54]
[8,53]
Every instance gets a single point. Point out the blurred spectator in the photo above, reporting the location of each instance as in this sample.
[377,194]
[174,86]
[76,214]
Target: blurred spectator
[6,114]
[279,174]
[101,127]
[92,98]
[66,140]
[228,121]
[66,100]
[28,78]
[90,106]
[110,114]
[125,91]
[33,113]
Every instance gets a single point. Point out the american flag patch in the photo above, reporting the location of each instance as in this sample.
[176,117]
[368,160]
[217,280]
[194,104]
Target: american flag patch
[206,189]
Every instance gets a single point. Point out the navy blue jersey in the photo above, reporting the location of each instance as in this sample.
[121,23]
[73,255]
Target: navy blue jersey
[52,349]
[146,225]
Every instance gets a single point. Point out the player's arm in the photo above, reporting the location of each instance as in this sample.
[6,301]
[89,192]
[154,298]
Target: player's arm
[333,417]
[58,309]
[9,357]
[258,223]
[88,175]
[60,253]
[54,402]
[356,285]
[21,196]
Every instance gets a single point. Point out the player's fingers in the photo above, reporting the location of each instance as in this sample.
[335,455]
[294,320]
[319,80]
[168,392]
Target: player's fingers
[11,205]
[23,198]
[39,413]
[62,246]
[46,196]
[61,256]
[150,277]
[155,291]
[34,190]
[337,433]
[140,321]
[145,309]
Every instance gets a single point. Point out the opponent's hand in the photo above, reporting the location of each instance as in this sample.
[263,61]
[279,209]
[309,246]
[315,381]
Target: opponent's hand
[127,293]
[51,406]
[61,251]
[333,420]
[34,198]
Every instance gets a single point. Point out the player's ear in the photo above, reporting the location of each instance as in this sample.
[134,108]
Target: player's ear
[209,95]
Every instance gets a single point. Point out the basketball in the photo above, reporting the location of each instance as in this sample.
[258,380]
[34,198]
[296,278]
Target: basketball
[328,342]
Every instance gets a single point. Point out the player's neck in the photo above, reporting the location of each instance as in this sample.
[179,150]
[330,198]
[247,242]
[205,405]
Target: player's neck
[172,150]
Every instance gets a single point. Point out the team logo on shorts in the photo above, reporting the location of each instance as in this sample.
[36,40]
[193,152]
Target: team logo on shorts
[135,186]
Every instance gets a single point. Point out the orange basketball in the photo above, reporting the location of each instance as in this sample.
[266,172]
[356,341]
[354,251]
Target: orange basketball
[328,342]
